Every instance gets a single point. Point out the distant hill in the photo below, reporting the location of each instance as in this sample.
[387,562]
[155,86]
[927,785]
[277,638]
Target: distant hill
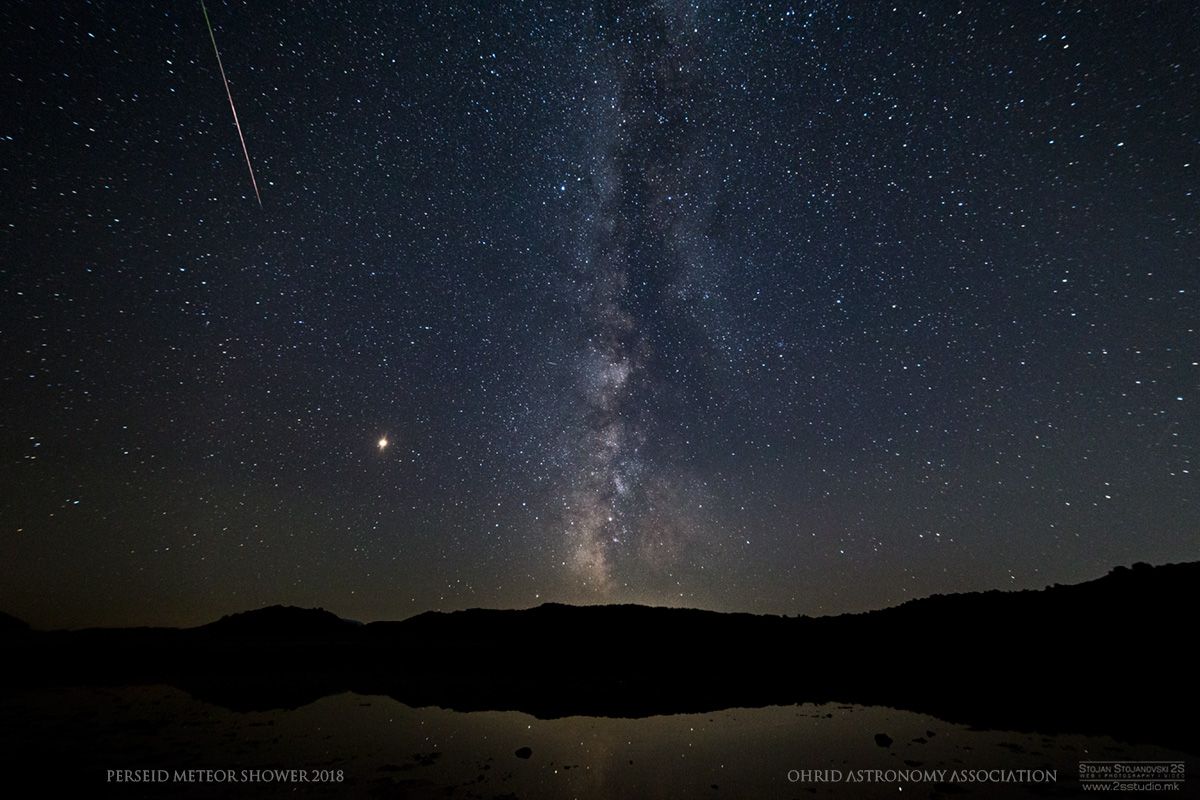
[1102,656]
[275,621]
[11,626]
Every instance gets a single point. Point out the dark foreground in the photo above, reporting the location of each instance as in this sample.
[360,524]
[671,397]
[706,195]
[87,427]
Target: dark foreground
[1065,671]
[352,745]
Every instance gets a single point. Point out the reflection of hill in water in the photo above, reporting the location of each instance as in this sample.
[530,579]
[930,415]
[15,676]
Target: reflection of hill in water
[386,749]
[1099,657]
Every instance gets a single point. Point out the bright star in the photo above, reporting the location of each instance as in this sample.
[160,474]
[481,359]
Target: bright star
[383,443]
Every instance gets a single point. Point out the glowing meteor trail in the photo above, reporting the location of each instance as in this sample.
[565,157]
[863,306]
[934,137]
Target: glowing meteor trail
[229,94]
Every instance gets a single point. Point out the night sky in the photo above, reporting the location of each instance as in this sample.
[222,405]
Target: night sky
[788,308]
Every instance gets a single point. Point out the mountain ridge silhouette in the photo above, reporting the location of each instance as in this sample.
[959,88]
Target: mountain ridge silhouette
[291,618]
[1102,656]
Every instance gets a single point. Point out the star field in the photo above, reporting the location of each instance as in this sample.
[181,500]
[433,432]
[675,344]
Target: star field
[790,308]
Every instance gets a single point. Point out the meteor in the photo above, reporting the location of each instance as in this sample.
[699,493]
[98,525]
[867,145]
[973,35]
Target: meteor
[229,94]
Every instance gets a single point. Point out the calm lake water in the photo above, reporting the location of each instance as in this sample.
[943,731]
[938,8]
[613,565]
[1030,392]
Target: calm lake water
[377,747]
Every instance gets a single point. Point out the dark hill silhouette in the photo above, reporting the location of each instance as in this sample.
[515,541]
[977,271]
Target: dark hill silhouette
[1098,657]
[10,626]
[280,622]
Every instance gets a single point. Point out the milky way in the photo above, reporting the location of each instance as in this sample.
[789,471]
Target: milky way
[636,283]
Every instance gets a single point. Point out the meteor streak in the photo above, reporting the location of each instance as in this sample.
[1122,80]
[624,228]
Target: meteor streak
[229,94]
